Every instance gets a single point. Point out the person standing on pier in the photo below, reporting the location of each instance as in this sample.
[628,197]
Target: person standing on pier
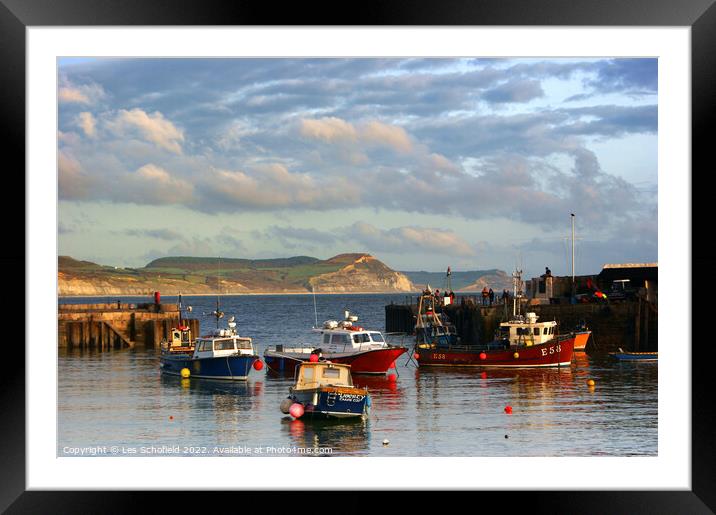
[505,296]
[492,296]
[485,295]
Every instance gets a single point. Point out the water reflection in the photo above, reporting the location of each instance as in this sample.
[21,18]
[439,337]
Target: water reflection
[344,437]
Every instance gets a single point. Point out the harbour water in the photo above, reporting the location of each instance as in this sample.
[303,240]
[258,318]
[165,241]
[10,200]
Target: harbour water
[117,402]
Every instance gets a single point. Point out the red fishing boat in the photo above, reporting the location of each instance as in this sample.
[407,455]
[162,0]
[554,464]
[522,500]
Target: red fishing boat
[345,342]
[520,342]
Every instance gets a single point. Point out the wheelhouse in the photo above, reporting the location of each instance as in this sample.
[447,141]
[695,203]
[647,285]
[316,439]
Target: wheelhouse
[315,375]
[217,347]
[527,331]
[344,340]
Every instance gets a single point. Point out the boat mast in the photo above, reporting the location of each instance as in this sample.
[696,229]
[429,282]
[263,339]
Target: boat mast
[315,311]
[573,285]
[516,280]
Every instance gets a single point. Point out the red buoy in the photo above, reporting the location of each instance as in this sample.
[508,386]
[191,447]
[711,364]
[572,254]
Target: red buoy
[392,378]
[508,409]
[157,297]
[416,355]
[258,364]
[483,355]
[313,358]
[296,410]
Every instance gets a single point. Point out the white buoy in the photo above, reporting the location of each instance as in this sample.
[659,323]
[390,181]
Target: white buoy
[386,441]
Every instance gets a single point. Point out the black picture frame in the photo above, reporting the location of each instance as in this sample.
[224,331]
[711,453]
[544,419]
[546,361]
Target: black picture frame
[699,15]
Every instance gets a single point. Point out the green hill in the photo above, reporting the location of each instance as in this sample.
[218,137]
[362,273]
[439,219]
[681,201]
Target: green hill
[357,272]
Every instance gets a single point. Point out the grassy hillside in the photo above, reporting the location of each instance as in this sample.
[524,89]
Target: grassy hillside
[345,272]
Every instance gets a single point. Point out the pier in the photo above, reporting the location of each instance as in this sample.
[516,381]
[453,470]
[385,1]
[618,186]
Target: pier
[631,324]
[117,325]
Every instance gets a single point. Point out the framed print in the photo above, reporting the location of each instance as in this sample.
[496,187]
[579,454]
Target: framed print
[400,133]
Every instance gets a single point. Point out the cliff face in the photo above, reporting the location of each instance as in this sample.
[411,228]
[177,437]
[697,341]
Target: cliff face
[497,281]
[361,273]
[345,273]
[72,284]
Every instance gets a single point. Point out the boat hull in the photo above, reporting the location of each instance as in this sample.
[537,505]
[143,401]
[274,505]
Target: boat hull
[554,353]
[635,356]
[232,368]
[376,361]
[580,340]
[332,403]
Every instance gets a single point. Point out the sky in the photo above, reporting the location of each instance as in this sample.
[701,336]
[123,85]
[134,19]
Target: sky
[424,163]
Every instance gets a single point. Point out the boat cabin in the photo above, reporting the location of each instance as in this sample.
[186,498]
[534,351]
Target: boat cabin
[223,342]
[180,340]
[347,340]
[527,331]
[314,375]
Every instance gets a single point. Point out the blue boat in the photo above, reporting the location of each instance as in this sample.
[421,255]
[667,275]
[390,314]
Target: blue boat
[635,356]
[220,355]
[325,390]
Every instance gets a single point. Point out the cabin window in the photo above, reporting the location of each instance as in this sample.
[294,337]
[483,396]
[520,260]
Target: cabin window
[377,337]
[340,339]
[536,331]
[204,345]
[551,330]
[224,345]
[361,338]
[326,339]
[308,373]
[331,373]
[177,335]
[546,330]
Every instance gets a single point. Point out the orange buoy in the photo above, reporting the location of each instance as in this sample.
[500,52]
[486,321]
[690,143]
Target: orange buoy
[516,355]
[590,382]
[416,355]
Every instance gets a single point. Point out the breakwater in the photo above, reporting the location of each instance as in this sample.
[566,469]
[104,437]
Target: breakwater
[117,325]
[612,324]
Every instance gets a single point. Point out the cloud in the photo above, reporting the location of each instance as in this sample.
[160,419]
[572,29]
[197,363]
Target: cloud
[372,133]
[372,238]
[328,129]
[158,234]
[87,123]
[514,91]
[153,127]
[85,94]
[270,186]
[73,182]
[152,184]
[393,136]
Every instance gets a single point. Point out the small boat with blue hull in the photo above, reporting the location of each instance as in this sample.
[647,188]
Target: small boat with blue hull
[324,390]
[634,356]
[220,355]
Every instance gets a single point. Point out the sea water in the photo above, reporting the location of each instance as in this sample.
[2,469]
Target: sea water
[116,403]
